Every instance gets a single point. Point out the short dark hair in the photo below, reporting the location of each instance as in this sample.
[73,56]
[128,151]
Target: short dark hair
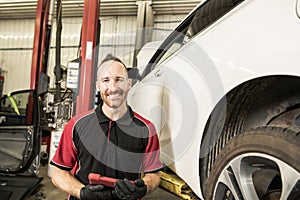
[109,57]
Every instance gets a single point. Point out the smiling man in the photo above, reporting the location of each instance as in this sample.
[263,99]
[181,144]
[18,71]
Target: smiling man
[113,85]
[112,140]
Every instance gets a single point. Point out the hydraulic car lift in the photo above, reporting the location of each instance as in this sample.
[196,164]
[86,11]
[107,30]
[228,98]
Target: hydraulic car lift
[89,50]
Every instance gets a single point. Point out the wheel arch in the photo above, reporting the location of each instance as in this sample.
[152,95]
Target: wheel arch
[268,100]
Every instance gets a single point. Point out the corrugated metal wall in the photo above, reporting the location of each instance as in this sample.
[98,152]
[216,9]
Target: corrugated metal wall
[117,37]
[16,41]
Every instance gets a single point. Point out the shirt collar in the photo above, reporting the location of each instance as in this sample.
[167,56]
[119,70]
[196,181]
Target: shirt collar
[126,119]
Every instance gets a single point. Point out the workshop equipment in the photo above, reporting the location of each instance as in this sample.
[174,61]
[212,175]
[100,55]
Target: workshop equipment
[175,185]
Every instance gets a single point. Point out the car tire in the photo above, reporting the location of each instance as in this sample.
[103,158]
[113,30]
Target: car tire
[262,163]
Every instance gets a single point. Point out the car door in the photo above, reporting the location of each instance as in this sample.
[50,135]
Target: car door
[19,144]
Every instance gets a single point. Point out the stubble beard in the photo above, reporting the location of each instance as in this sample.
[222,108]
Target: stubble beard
[115,103]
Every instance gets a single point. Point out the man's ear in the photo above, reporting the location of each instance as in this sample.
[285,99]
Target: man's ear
[97,86]
[129,83]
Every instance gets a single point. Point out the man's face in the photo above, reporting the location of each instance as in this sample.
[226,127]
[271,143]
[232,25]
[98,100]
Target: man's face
[113,84]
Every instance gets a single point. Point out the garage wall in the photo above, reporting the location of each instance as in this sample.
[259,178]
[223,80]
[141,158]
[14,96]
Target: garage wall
[117,37]
[16,41]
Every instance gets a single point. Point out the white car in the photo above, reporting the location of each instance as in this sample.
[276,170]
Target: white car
[223,91]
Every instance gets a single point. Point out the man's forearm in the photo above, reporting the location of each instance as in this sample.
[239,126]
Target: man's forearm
[66,182]
[152,181]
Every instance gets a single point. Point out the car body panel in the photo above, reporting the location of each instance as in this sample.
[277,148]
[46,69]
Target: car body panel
[298,8]
[257,38]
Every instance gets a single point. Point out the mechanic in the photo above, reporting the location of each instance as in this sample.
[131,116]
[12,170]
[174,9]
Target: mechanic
[111,140]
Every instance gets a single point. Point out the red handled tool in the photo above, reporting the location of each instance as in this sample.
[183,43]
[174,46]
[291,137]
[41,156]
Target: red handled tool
[102,180]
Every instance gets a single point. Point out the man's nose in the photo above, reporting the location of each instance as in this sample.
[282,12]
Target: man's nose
[112,85]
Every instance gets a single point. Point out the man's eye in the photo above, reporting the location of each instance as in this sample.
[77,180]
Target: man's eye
[105,80]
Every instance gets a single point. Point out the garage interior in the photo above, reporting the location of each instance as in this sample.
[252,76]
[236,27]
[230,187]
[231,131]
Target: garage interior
[119,33]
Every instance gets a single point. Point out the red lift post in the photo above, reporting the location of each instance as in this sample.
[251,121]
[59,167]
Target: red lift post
[40,53]
[42,36]
[89,54]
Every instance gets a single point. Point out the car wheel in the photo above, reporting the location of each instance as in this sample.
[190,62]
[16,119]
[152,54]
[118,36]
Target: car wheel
[259,164]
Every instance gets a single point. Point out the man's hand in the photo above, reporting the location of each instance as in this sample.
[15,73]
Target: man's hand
[95,192]
[126,190]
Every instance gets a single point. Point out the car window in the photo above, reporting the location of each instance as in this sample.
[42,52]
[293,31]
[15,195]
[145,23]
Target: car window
[208,13]
[14,108]
[173,48]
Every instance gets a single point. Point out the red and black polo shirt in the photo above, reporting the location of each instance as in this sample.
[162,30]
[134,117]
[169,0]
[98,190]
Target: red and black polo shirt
[91,142]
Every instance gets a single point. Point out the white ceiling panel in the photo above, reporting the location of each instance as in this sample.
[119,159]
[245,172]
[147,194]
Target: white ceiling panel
[25,9]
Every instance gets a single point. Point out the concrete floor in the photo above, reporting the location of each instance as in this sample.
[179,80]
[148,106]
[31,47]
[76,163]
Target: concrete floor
[48,191]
